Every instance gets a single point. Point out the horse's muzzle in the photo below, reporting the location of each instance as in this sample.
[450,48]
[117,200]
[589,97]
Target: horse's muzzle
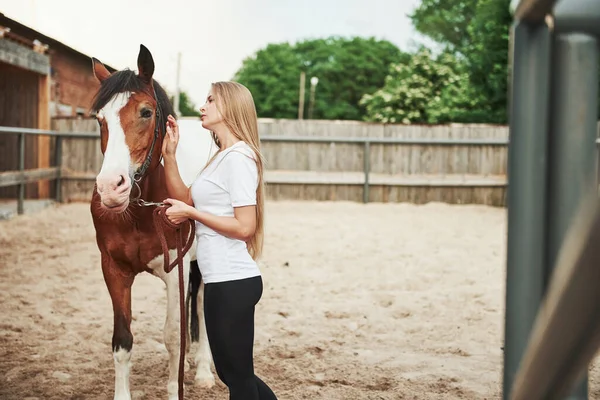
[114,192]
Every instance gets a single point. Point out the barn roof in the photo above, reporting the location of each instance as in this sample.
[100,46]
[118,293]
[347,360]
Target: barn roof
[27,35]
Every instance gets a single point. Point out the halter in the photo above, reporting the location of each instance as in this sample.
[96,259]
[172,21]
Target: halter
[141,171]
[161,223]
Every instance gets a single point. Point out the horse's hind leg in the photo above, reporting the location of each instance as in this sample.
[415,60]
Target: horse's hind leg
[204,377]
[119,288]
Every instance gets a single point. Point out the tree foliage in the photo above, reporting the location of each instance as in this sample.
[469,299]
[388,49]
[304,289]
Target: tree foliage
[412,90]
[468,82]
[373,80]
[186,106]
[487,57]
[347,68]
[272,76]
[445,21]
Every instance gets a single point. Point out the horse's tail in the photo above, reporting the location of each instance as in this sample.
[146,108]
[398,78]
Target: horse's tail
[194,287]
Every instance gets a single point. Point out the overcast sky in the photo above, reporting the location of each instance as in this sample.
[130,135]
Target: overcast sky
[214,37]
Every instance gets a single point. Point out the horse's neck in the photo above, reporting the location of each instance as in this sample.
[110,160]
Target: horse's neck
[154,186]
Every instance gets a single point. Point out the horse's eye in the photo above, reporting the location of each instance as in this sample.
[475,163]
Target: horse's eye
[146,113]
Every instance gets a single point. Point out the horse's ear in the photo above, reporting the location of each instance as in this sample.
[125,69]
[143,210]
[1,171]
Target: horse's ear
[145,64]
[100,71]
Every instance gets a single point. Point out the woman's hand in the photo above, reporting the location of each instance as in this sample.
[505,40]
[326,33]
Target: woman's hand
[178,212]
[170,141]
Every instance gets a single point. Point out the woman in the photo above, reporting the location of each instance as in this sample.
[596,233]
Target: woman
[226,202]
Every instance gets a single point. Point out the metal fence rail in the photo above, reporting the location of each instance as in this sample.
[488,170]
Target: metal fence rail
[552,287]
[22,176]
[59,173]
[366,142]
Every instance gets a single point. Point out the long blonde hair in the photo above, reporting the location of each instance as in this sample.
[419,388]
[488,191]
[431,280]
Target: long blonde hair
[236,105]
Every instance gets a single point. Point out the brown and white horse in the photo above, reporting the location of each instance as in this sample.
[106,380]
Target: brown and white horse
[132,110]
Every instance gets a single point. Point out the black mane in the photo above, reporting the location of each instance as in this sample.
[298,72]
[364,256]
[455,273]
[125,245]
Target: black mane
[128,81]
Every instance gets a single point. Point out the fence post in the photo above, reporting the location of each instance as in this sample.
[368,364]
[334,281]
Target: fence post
[21,198]
[367,168]
[572,172]
[58,162]
[526,193]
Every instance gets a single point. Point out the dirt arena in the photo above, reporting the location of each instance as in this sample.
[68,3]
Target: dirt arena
[360,302]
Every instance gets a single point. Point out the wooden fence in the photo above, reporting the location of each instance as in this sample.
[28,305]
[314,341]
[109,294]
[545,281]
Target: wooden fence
[81,158]
[331,160]
[462,164]
[443,171]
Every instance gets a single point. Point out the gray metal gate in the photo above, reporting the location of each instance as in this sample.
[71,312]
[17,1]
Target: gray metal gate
[553,249]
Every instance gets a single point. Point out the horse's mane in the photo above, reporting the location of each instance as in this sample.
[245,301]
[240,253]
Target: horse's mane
[128,81]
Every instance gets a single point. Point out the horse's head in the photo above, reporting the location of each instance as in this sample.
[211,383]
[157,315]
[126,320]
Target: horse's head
[131,110]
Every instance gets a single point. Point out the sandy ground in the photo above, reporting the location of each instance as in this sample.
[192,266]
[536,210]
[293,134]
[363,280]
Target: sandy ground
[396,302]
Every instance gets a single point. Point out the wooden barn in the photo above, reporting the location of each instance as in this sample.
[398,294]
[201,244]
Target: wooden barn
[40,79]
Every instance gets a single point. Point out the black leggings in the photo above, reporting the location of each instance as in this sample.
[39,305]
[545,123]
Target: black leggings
[229,318]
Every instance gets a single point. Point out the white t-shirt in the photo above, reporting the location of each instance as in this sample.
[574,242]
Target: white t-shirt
[229,181]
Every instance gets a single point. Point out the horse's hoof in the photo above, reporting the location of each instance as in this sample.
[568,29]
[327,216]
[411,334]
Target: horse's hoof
[172,390]
[205,382]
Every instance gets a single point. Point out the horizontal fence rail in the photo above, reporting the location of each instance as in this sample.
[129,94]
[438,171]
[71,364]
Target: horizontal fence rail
[364,177]
[30,131]
[376,140]
[300,139]
[12,178]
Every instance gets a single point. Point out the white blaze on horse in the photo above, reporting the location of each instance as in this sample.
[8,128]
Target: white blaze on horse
[132,111]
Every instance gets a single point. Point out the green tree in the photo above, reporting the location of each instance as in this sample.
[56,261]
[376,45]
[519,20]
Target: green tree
[477,31]
[347,69]
[422,91]
[445,21]
[186,106]
[272,75]
[487,57]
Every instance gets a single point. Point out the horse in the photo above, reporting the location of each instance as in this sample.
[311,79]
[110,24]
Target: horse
[132,111]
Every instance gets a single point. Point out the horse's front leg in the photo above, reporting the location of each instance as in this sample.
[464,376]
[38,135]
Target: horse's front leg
[172,326]
[119,287]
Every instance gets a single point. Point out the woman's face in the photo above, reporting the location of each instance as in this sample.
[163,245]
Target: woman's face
[210,115]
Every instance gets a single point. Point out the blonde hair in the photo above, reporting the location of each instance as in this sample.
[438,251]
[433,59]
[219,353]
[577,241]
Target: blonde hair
[236,105]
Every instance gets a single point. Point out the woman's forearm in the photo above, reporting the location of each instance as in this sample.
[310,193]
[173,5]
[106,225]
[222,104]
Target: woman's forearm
[175,185]
[226,226]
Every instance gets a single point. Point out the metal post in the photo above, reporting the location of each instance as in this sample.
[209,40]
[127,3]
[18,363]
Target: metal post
[58,156]
[367,167]
[581,16]
[311,102]
[21,199]
[177,88]
[527,164]
[301,100]
[572,172]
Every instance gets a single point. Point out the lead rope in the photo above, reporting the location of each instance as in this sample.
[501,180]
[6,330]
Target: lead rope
[161,221]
